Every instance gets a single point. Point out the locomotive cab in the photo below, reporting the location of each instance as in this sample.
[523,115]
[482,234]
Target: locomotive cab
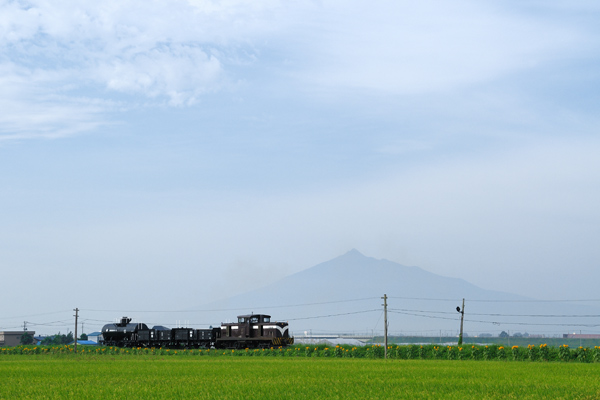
[254,330]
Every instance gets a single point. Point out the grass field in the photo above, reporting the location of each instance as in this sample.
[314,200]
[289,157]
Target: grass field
[154,377]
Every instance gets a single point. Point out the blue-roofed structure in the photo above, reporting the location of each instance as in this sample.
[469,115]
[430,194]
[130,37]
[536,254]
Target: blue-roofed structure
[85,343]
[95,336]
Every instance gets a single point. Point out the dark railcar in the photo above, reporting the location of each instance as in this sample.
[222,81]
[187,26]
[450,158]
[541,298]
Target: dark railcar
[146,338]
[206,338]
[252,331]
[182,337]
[122,334]
[151,337]
[164,337]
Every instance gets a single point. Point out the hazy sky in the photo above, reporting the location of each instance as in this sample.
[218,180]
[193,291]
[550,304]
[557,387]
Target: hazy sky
[195,149]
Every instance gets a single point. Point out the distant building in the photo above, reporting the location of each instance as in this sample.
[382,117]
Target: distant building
[329,341]
[84,343]
[95,337]
[581,336]
[13,338]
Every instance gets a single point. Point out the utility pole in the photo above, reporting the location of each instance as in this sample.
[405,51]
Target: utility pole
[385,322]
[462,318]
[76,316]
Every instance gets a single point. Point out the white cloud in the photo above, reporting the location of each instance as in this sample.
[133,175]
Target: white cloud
[141,47]
[177,51]
[57,57]
[415,47]
[156,49]
[34,104]
[178,72]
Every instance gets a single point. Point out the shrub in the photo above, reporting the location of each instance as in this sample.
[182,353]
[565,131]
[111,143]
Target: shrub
[581,354]
[564,353]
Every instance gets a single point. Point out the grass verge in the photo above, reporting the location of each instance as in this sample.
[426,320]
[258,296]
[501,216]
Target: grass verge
[35,377]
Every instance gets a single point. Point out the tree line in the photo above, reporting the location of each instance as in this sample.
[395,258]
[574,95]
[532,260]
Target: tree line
[53,340]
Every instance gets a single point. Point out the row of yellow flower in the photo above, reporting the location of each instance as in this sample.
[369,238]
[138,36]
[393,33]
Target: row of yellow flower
[474,352]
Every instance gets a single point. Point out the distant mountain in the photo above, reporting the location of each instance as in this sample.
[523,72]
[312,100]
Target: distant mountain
[344,295]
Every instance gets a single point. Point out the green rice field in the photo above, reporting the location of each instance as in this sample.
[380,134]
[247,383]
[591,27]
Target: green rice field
[85,376]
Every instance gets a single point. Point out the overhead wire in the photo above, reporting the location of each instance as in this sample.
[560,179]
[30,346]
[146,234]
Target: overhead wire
[497,322]
[505,315]
[237,308]
[333,315]
[53,323]
[497,301]
[35,315]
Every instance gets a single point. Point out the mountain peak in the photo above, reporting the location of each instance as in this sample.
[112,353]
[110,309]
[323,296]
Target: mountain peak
[354,252]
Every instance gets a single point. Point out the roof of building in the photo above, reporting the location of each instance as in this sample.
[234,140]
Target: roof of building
[85,343]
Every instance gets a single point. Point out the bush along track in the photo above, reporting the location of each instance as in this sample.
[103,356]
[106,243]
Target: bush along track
[541,353]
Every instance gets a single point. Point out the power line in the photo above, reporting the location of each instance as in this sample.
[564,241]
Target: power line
[34,315]
[537,301]
[498,322]
[421,298]
[233,309]
[420,315]
[507,315]
[421,311]
[332,315]
[10,327]
[499,301]
[53,323]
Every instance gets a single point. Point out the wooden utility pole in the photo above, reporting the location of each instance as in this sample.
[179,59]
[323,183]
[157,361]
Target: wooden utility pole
[385,327]
[76,316]
[462,318]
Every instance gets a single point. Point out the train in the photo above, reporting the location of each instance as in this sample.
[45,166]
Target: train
[250,331]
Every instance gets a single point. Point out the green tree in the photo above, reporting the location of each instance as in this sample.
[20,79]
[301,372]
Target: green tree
[83,337]
[58,339]
[26,338]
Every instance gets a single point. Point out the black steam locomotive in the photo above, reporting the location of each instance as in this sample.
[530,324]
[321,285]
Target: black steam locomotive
[250,331]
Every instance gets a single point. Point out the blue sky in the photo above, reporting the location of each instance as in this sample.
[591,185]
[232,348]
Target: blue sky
[211,146]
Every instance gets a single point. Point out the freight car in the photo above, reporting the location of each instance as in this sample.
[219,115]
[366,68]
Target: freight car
[123,334]
[251,331]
